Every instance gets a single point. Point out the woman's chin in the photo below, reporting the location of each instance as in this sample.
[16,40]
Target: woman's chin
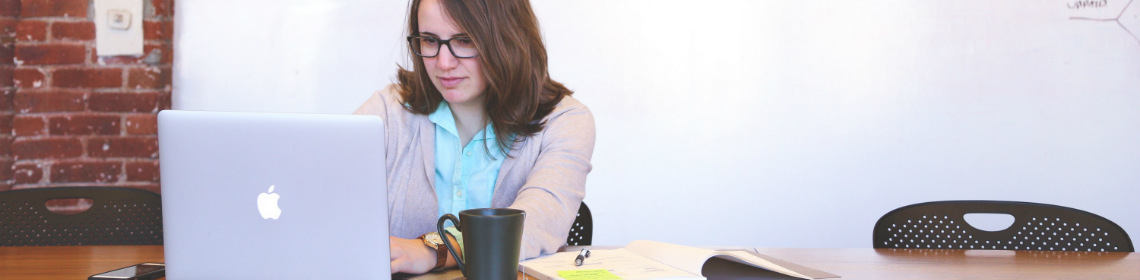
[458,96]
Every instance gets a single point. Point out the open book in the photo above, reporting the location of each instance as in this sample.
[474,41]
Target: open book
[644,259]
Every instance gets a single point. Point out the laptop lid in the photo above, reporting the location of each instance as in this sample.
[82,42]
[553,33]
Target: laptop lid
[273,196]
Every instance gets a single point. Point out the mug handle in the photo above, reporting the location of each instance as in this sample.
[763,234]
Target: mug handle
[447,241]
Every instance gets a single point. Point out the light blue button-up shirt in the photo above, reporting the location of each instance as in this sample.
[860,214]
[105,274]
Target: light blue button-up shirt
[464,176]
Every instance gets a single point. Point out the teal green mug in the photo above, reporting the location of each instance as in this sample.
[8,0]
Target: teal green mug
[492,240]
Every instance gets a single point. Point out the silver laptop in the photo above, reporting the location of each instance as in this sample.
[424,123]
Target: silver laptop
[273,196]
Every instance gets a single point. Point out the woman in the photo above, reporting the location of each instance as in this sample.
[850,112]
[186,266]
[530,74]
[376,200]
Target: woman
[477,122]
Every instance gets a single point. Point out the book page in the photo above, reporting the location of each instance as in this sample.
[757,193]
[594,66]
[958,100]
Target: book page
[689,259]
[746,258]
[620,262]
[692,259]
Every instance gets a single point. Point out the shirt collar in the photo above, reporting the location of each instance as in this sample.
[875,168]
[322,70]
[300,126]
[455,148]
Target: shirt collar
[444,119]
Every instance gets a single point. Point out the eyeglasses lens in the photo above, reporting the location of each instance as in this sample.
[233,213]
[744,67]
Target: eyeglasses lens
[461,47]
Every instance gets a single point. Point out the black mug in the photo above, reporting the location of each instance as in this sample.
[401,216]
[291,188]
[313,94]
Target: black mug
[492,239]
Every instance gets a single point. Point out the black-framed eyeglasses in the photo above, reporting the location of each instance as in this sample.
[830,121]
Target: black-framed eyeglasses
[460,47]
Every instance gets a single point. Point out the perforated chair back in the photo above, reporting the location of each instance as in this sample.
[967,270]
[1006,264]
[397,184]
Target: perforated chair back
[118,216]
[582,231]
[1039,227]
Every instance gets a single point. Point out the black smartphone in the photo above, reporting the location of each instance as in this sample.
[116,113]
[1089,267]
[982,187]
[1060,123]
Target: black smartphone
[142,271]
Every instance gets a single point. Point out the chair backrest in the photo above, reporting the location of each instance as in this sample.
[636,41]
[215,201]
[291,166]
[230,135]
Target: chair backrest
[1039,227]
[118,216]
[582,231]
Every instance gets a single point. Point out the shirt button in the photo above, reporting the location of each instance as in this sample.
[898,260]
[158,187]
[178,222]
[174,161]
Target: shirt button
[468,153]
[459,193]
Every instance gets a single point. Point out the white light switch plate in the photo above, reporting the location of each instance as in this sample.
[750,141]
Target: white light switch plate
[119,19]
[118,27]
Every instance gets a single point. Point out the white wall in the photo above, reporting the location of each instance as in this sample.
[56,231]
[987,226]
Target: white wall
[308,56]
[757,123]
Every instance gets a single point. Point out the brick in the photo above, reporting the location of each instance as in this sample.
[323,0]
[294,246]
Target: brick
[7,76]
[9,8]
[129,102]
[28,78]
[161,53]
[7,35]
[25,125]
[142,124]
[6,96]
[6,147]
[158,30]
[31,31]
[48,101]
[81,30]
[85,125]
[87,78]
[85,172]
[27,173]
[7,25]
[53,8]
[131,146]
[7,52]
[143,171]
[149,78]
[46,148]
[50,54]
[5,131]
[6,171]
[162,8]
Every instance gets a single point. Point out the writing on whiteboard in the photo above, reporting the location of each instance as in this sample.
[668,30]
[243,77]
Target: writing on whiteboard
[1083,4]
[1125,19]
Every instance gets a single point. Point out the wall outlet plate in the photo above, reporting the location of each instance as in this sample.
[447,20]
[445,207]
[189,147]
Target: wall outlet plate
[118,27]
[119,19]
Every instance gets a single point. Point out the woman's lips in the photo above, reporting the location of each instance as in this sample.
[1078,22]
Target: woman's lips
[450,82]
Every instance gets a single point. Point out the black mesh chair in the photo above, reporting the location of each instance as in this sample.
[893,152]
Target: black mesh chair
[1039,227]
[118,216]
[582,231]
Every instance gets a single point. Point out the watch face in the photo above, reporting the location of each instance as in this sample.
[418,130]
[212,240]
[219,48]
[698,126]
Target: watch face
[433,239]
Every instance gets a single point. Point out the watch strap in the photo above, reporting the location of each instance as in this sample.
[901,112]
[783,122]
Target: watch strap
[433,241]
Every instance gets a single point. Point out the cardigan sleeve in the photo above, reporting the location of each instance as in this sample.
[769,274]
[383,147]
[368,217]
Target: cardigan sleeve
[412,209]
[555,185]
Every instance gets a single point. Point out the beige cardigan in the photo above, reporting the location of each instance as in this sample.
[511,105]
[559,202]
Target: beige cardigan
[545,174]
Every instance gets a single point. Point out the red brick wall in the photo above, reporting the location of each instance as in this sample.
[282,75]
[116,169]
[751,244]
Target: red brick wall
[69,117]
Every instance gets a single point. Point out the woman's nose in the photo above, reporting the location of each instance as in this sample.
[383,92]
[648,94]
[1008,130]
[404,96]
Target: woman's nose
[445,60]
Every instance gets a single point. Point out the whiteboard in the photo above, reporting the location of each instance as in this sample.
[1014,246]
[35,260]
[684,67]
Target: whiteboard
[757,123]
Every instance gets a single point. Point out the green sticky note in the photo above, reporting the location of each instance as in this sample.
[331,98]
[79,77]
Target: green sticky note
[587,274]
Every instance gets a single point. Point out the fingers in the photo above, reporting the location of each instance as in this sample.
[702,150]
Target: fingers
[398,260]
[398,265]
[397,251]
[410,256]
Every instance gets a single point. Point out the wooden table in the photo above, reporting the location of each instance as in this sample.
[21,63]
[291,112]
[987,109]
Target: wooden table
[71,262]
[78,262]
[932,264]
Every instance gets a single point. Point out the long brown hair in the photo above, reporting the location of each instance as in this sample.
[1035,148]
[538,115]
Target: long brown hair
[513,57]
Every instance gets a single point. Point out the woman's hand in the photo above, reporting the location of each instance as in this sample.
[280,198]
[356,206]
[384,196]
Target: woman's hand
[411,256]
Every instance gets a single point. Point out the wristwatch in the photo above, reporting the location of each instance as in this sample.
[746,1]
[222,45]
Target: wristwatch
[433,241]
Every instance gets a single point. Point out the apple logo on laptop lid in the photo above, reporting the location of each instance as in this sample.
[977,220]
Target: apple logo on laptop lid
[267,204]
